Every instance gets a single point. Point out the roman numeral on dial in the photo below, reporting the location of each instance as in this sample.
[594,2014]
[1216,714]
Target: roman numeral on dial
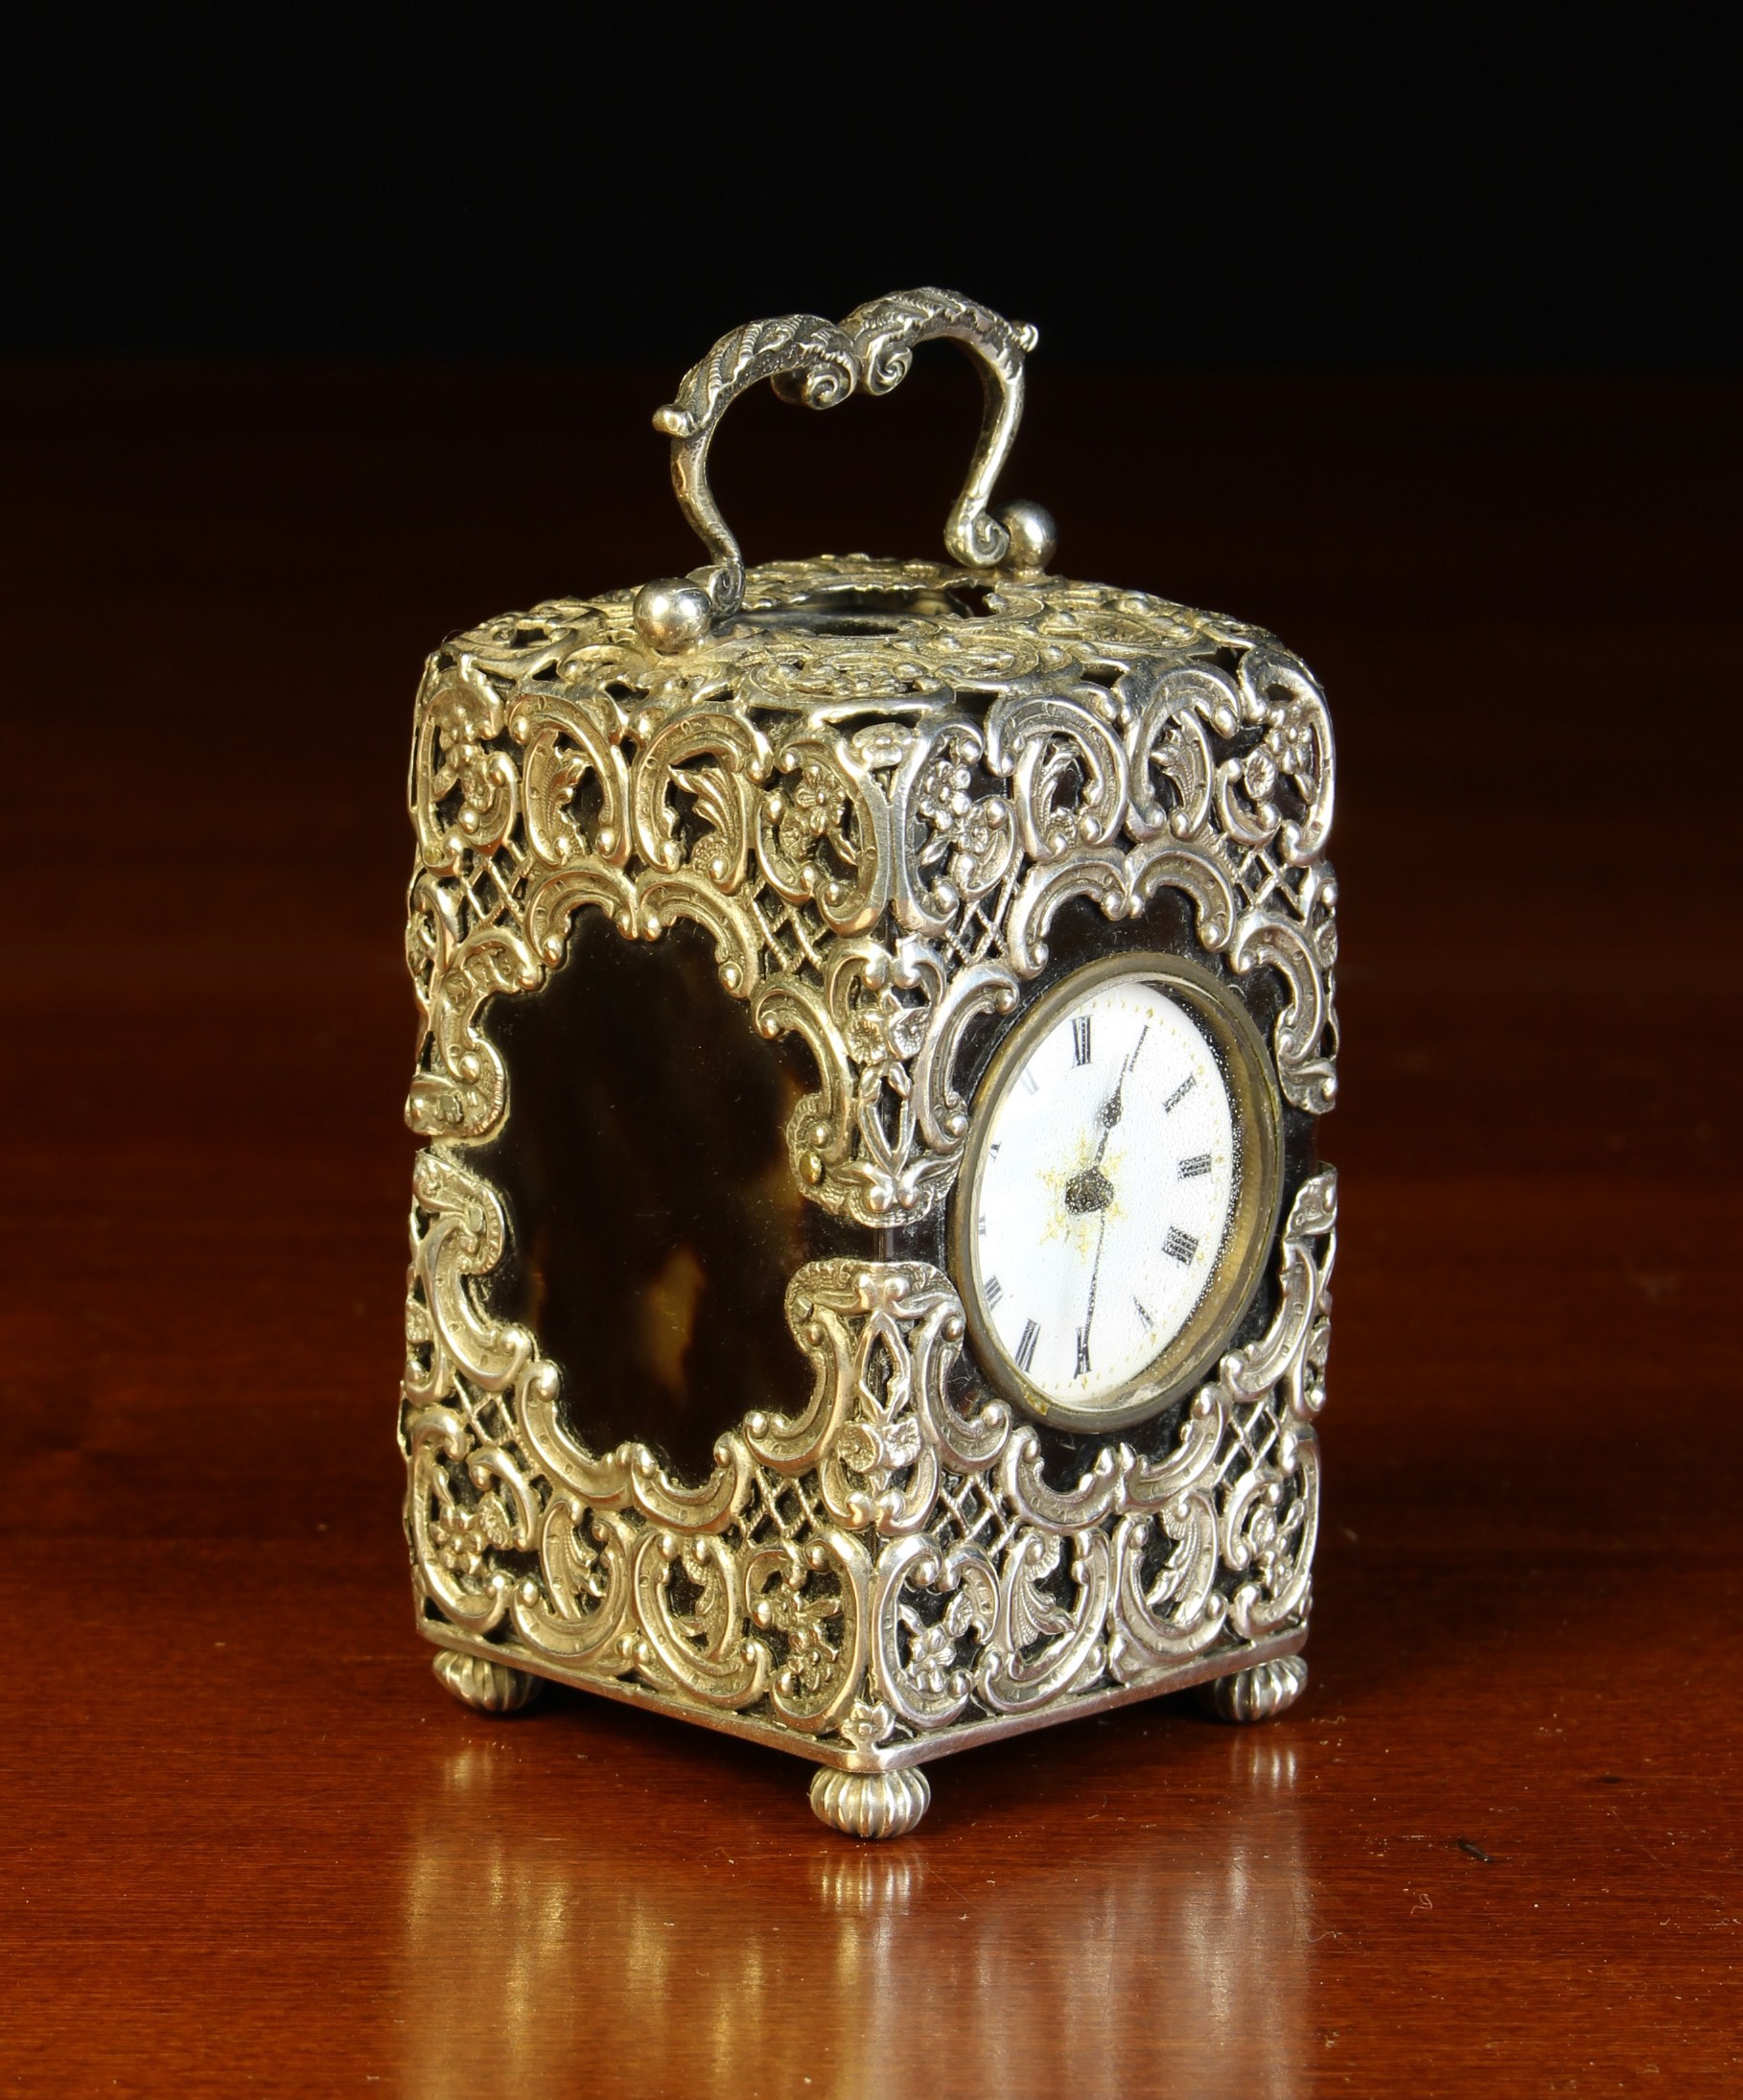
[1082,1369]
[1179,1093]
[1025,1349]
[1194,1165]
[992,1290]
[1079,1039]
[1178,1246]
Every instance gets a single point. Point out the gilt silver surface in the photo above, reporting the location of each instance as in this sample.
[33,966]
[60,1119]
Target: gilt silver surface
[875,830]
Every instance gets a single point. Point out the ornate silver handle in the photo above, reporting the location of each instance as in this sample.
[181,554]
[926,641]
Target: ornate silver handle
[815,363]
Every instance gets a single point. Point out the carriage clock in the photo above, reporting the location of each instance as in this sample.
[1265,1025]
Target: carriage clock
[869,1254]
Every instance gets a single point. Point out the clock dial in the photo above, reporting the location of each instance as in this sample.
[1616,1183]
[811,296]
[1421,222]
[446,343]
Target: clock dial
[1124,1144]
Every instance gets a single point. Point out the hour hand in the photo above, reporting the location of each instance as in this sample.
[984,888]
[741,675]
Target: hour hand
[1114,1107]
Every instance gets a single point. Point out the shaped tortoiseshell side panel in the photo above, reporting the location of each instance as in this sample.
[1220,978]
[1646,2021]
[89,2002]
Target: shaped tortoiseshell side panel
[653,1216]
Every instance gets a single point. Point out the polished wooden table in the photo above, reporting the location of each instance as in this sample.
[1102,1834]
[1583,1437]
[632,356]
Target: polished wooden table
[249,1845]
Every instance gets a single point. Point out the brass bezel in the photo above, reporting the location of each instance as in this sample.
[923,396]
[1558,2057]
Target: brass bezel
[1239,1050]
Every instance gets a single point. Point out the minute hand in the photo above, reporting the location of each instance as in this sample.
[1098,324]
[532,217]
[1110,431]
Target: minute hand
[1089,1317]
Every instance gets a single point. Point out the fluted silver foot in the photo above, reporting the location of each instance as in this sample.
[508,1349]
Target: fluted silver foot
[871,1804]
[492,1687]
[1256,1694]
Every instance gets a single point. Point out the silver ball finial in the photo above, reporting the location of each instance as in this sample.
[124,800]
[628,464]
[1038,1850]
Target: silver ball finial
[1033,536]
[672,614]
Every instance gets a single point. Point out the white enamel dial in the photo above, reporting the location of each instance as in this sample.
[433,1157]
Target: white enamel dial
[1103,1191]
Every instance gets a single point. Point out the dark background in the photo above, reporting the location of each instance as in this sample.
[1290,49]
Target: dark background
[1291,188]
[325,339]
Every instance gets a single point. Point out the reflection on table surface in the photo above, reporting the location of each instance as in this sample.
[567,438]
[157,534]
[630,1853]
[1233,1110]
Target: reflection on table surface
[996,1951]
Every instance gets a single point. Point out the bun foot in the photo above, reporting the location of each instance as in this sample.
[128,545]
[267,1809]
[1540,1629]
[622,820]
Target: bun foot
[1256,1694]
[491,1688]
[871,1804]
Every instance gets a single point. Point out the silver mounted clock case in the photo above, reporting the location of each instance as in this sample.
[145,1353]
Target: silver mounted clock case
[869,1263]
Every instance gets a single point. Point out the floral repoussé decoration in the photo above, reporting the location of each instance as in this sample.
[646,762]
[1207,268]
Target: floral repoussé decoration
[876,832]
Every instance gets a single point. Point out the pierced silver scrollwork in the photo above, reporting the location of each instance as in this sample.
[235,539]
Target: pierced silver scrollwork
[892,1560]
[878,888]
[876,819]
